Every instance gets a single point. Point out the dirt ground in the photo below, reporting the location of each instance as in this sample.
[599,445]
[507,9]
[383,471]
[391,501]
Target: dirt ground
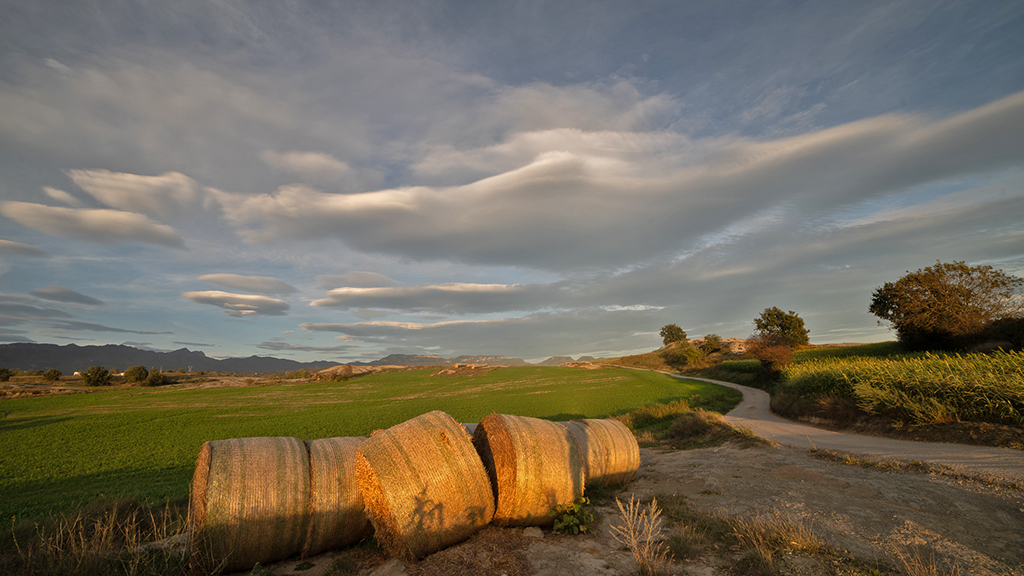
[867,516]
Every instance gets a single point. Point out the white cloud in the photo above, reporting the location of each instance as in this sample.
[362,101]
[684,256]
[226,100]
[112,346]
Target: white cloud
[239,304]
[169,195]
[22,249]
[259,284]
[93,225]
[62,196]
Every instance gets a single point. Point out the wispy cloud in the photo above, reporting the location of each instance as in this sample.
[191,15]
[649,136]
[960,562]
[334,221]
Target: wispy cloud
[61,294]
[20,249]
[449,298]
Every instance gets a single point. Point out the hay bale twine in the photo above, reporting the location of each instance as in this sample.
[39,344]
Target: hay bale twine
[424,485]
[337,516]
[534,465]
[611,455]
[250,501]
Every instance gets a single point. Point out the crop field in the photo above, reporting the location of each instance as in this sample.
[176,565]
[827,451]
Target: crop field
[926,388]
[63,452]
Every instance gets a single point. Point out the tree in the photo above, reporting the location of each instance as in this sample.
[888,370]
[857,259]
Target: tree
[672,333]
[135,374]
[5,374]
[52,375]
[948,305]
[96,376]
[787,328]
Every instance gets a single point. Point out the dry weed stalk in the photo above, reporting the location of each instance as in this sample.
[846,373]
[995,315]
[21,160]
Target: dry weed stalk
[640,532]
[914,564]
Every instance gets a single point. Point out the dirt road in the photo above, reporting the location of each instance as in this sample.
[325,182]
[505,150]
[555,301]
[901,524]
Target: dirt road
[754,412]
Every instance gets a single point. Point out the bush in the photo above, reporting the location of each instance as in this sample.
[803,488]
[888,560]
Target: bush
[52,375]
[774,355]
[712,343]
[157,378]
[135,374]
[5,374]
[96,376]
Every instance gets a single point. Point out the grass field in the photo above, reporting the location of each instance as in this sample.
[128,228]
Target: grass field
[63,452]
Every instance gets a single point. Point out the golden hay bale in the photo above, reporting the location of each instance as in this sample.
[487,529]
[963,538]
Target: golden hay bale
[336,517]
[534,465]
[610,452]
[250,500]
[424,485]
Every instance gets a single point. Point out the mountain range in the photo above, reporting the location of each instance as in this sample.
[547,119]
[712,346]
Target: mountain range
[72,358]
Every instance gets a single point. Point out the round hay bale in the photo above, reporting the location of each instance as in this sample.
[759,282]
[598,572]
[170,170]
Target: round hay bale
[424,485]
[611,455]
[337,516]
[250,501]
[534,466]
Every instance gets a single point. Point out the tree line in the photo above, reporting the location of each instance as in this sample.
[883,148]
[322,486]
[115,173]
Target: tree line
[948,306]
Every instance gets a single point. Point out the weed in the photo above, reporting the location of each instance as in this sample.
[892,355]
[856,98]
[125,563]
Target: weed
[640,532]
[574,518]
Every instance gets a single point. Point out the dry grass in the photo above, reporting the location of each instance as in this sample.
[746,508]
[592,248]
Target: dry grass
[120,538]
[640,532]
[913,563]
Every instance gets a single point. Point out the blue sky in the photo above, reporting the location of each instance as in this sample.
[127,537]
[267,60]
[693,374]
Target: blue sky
[529,179]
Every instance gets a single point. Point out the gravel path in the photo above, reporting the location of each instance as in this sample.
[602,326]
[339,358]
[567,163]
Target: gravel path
[755,413]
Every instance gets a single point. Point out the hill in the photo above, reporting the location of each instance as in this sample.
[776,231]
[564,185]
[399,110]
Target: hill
[72,358]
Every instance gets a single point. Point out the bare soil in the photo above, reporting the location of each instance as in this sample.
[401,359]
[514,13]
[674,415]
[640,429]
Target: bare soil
[867,516]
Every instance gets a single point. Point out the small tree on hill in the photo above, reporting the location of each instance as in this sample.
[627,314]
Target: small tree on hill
[672,333]
[96,376]
[135,374]
[778,327]
[52,375]
[948,305]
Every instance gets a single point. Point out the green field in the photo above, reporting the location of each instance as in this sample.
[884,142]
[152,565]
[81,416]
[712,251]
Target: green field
[63,452]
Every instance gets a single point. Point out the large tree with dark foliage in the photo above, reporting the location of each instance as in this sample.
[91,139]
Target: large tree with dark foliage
[948,305]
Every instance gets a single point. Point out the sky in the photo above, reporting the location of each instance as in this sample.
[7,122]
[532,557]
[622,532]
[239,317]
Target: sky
[339,181]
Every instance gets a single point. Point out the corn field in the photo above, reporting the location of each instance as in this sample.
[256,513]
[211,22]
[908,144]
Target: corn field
[926,389]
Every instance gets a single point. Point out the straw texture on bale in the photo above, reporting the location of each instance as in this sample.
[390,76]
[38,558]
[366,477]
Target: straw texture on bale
[534,466]
[336,514]
[250,500]
[424,485]
[611,455]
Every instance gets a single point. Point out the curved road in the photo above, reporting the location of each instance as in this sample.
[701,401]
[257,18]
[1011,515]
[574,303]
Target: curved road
[754,413]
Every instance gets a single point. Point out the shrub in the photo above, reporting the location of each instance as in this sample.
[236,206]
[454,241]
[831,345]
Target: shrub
[135,374]
[573,518]
[774,355]
[5,374]
[96,376]
[712,343]
[52,375]
[157,378]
